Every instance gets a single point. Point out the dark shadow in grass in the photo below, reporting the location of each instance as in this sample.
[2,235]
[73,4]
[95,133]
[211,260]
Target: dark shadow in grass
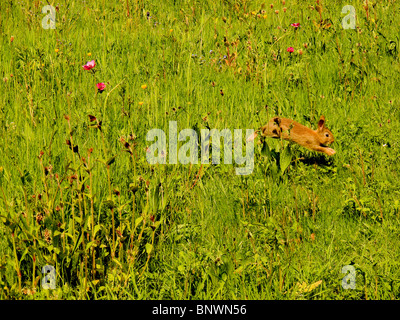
[320,160]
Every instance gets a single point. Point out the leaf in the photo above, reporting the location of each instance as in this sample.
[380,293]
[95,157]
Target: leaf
[56,233]
[91,244]
[77,243]
[95,282]
[97,227]
[117,262]
[286,158]
[265,149]
[138,221]
[303,287]
[23,255]
[111,160]
[149,248]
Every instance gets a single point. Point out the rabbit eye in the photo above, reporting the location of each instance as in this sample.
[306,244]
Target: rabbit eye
[327,135]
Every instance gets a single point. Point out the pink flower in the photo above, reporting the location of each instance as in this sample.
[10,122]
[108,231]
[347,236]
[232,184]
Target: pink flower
[101,86]
[89,65]
[296,25]
[290,49]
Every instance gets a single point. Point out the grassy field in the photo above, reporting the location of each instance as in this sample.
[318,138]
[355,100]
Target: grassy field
[78,194]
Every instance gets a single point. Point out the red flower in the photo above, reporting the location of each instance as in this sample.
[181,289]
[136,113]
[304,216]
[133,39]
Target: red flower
[296,25]
[290,49]
[89,65]
[101,86]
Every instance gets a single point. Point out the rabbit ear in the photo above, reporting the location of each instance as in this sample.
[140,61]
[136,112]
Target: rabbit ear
[321,123]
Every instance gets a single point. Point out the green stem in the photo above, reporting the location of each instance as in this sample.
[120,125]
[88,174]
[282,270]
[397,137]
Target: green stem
[16,262]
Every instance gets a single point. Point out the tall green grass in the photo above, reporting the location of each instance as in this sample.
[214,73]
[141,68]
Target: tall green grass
[77,191]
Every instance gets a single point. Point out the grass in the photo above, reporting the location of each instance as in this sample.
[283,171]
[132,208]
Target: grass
[78,194]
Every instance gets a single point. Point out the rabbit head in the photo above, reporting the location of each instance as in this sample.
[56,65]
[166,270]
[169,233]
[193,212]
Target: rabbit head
[325,135]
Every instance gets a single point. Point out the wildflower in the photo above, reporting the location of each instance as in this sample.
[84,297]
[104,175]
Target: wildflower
[277,11]
[144,86]
[290,49]
[89,65]
[12,39]
[56,50]
[101,86]
[89,54]
[47,236]
[284,9]
[39,217]
[296,25]
[28,291]
[140,103]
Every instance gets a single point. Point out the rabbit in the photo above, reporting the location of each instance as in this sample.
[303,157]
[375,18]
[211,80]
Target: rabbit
[287,129]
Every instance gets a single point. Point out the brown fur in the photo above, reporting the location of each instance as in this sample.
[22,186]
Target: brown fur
[287,129]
